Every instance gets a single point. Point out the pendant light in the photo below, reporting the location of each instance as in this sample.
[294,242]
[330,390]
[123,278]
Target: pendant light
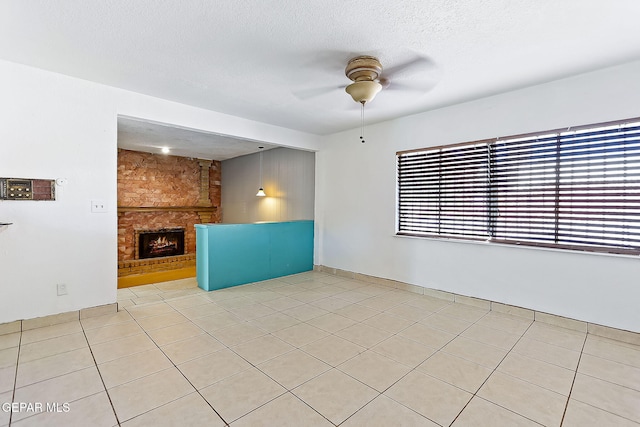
[260,192]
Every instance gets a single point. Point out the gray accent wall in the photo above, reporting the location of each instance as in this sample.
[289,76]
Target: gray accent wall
[288,180]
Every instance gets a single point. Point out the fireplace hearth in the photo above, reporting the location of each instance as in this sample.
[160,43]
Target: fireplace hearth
[163,242]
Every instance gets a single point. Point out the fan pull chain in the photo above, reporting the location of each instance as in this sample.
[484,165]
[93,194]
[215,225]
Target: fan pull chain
[362,123]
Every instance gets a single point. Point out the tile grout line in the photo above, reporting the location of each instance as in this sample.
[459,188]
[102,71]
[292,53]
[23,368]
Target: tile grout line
[15,387]
[20,345]
[15,379]
[270,333]
[415,368]
[174,365]
[100,374]
[305,403]
[157,346]
[610,382]
[438,350]
[575,375]
[486,379]
[311,355]
[287,390]
[475,394]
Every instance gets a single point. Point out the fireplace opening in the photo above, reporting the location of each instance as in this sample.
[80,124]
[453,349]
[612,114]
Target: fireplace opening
[160,243]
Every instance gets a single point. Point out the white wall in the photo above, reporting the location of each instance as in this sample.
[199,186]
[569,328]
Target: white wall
[55,126]
[356,196]
[288,180]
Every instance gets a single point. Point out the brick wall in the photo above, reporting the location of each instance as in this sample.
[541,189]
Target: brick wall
[215,189]
[148,180]
[155,180]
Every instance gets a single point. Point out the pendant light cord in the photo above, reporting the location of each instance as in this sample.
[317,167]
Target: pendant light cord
[260,167]
[362,123]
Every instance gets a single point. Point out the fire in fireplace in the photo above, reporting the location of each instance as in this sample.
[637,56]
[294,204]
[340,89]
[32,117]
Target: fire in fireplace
[160,243]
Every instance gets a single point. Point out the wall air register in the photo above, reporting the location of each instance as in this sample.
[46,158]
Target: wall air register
[27,189]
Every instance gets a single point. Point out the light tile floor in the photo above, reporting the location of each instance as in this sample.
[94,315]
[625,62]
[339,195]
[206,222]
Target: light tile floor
[313,350]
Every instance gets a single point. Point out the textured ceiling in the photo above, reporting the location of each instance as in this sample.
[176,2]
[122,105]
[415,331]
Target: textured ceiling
[254,59]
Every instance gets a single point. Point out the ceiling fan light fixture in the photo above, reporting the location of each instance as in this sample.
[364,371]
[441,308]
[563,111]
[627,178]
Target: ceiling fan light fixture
[363,91]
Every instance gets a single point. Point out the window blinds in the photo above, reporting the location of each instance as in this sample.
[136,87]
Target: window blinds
[576,189]
[444,191]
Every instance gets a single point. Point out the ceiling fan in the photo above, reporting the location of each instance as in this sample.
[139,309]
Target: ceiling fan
[368,78]
[365,73]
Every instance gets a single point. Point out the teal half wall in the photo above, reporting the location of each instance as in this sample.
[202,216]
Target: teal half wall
[236,254]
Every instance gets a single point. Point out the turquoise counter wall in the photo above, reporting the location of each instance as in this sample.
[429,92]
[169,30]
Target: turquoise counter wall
[235,254]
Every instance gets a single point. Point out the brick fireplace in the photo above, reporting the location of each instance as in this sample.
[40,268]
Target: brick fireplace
[158,192]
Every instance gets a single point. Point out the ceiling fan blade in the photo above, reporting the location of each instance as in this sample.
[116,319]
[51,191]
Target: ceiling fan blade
[326,60]
[420,74]
[420,86]
[305,94]
[419,64]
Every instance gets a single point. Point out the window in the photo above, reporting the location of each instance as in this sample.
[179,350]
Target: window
[574,189]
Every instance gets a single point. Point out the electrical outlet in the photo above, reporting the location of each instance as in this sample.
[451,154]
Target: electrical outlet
[62,289]
[98,206]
